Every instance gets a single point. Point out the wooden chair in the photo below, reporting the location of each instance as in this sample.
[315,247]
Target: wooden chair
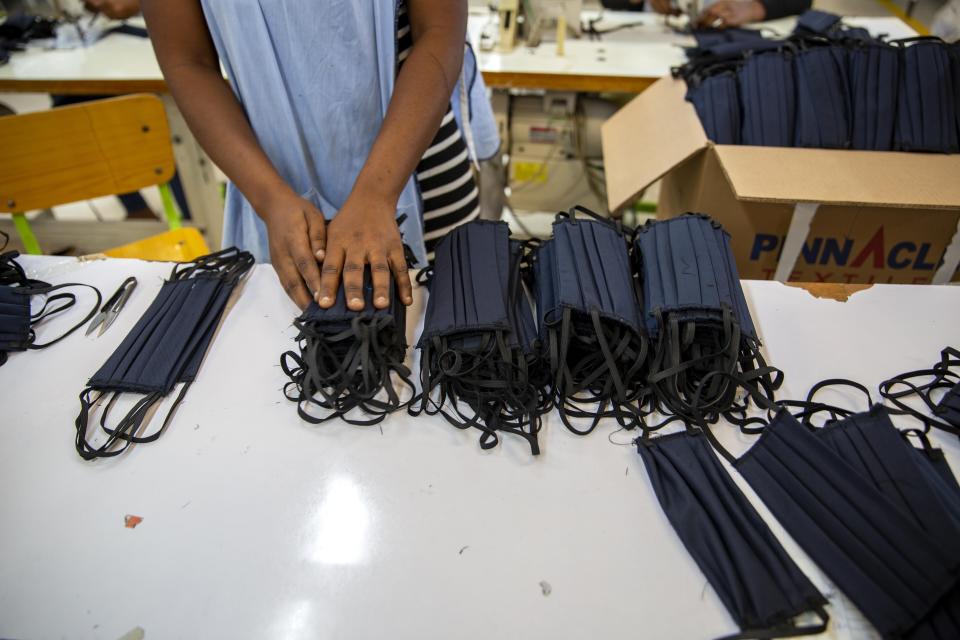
[84,151]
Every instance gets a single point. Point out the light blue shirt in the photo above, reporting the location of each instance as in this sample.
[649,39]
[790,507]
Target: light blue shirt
[315,79]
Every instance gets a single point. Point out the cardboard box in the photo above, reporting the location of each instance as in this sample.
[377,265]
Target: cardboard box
[815,215]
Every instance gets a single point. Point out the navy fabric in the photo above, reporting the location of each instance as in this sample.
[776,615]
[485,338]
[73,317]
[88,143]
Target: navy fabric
[165,347]
[688,269]
[893,570]
[873,71]
[697,316]
[14,320]
[718,105]
[817,22]
[823,109]
[768,100]
[926,108]
[345,359]
[479,366]
[758,583]
[590,328]
[907,476]
[949,406]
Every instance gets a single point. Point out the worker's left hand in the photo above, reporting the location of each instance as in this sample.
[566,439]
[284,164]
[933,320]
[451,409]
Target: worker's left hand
[731,13]
[116,9]
[364,232]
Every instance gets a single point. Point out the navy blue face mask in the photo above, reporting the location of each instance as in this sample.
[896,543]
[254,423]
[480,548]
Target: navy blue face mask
[697,316]
[823,109]
[894,570]
[717,103]
[874,71]
[17,322]
[587,303]
[164,348]
[818,23]
[478,362]
[926,110]
[768,98]
[926,385]
[347,359]
[758,583]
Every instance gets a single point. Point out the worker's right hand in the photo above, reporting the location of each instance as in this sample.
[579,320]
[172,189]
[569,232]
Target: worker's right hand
[297,234]
[663,6]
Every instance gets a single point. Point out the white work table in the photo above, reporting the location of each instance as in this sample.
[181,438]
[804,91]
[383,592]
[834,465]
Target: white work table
[258,525]
[625,61]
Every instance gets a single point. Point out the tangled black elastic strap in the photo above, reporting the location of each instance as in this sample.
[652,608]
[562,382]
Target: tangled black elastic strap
[925,384]
[587,303]
[164,348]
[347,358]
[698,317]
[478,359]
[17,323]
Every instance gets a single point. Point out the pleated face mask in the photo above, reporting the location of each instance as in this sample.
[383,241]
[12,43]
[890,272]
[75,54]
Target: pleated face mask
[895,572]
[823,108]
[768,99]
[696,315]
[758,583]
[478,359]
[164,348]
[926,386]
[18,323]
[717,103]
[349,360]
[815,22]
[587,304]
[926,110]
[873,71]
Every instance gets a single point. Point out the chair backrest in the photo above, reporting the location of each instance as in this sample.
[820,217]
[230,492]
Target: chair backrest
[83,151]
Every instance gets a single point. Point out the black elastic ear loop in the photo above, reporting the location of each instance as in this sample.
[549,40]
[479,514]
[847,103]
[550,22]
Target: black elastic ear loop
[84,321]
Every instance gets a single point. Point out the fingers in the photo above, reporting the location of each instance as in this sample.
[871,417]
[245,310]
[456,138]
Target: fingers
[307,267]
[316,230]
[398,265]
[353,280]
[330,276]
[290,279]
[380,274]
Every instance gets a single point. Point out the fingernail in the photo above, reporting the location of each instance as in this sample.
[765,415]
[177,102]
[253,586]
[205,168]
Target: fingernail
[356,301]
[320,254]
[408,300]
[381,300]
[325,300]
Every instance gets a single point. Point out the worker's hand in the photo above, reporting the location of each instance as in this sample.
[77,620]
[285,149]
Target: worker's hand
[364,232]
[296,230]
[731,13]
[116,9]
[663,6]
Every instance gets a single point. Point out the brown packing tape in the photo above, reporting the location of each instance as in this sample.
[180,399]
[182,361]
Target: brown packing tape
[830,290]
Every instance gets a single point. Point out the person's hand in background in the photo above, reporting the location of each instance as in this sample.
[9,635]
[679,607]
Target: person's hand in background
[296,231]
[731,13]
[664,7]
[116,9]
[364,232]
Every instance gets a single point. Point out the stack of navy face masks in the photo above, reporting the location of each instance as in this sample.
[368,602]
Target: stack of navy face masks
[349,359]
[479,366]
[17,322]
[828,86]
[589,315]
[165,348]
[697,317]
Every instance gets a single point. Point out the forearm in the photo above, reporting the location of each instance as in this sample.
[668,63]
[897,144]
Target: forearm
[219,124]
[191,68]
[420,100]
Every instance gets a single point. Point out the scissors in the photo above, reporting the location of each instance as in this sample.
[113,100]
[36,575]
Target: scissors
[112,307]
